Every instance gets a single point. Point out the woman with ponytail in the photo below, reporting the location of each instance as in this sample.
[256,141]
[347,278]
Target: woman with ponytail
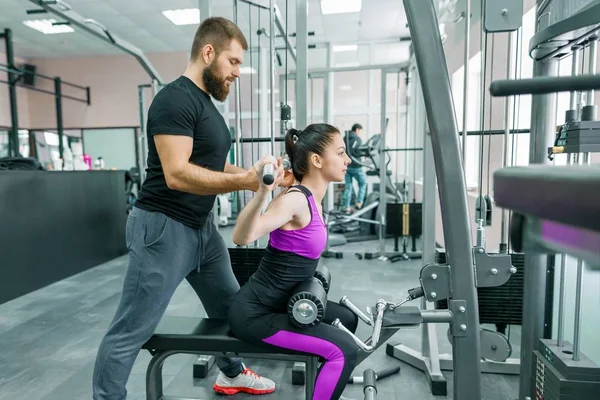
[297,236]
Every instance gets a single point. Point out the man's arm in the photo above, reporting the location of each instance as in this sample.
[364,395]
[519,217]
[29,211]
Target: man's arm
[175,151]
[232,169]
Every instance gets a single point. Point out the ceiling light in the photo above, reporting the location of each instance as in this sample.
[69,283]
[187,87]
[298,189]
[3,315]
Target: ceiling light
[340,6]
[349,47]
[247,70]
[187,16]
[46,26]
[345,88]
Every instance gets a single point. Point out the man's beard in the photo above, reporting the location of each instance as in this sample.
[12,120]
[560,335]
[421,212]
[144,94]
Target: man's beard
[215,85]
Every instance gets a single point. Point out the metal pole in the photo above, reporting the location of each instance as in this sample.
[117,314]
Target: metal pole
[328,200]
[508,104]
[437,94]
[579,283]
[466,80]
[13,135]
[238,121]
[272,71]
[382,168]
[410,105]
[59,116]
[155,88]
[301,62]
[592,66]
[282,30]
[543,129]
[142,141]
[577,319]
[561,303]
[321,71]
[574,71]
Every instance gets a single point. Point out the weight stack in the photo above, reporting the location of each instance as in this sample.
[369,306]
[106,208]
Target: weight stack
[244,262]
[497,305]
[559,377]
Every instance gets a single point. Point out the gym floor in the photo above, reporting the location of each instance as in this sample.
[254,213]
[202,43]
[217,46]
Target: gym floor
[49,338]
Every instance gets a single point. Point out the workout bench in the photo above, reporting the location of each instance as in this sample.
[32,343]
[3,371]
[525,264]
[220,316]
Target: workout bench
[206,336]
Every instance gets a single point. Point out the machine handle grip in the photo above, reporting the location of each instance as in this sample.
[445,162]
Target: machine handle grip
[544,85]
[416,293]
[369,378]
[268,174]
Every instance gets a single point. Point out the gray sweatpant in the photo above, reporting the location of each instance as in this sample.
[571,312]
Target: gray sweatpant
[162,253]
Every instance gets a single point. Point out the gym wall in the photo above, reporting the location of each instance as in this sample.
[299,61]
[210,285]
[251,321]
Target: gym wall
[114,94]
[22,99]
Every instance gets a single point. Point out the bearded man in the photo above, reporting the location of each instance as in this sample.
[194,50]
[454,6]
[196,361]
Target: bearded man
[170,234]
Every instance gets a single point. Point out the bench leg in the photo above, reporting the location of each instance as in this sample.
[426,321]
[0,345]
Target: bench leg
[202,366]
[312,366]
[154,382]
[298,373]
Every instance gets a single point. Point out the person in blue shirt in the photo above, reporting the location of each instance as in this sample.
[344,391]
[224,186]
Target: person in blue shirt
[355,170]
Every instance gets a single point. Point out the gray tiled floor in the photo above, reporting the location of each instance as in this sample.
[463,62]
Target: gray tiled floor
[48,339]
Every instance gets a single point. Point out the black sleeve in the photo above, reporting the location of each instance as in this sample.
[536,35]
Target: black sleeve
[173,113]
[355,143]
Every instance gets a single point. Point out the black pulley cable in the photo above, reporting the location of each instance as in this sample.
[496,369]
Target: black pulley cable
[251,84]
[398,125]
[259,69]
[482,122]
[286,111]
[489,135]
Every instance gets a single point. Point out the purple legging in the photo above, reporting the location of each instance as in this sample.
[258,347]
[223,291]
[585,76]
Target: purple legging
[335,347]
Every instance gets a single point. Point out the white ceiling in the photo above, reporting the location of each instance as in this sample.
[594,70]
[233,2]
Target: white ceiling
[141,23]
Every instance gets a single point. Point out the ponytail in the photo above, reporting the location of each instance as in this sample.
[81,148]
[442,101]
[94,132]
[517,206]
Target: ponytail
[300,144]
[290,145]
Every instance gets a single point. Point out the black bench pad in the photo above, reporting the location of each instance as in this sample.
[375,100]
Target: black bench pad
[203,335]
[565,194]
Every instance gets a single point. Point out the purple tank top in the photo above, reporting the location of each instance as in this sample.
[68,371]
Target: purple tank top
[309,241]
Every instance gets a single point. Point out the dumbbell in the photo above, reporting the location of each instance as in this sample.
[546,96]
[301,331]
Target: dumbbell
[307,306]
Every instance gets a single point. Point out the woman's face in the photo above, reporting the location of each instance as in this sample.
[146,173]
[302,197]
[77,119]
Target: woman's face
[335,160]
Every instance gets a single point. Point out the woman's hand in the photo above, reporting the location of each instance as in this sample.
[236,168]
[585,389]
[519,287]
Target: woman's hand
[278,172]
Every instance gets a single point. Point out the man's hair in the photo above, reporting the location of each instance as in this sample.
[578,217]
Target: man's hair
[218,32]
[355,127]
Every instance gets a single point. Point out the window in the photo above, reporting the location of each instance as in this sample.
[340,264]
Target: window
[518,149]
[524,68]
[4,143]
[473,114]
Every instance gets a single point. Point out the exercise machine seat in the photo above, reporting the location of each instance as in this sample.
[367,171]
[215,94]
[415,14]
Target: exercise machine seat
[195,334]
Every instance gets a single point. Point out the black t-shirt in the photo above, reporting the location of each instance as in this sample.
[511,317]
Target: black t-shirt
[182,108]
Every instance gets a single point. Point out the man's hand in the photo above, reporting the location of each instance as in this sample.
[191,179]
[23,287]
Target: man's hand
[284,178]
[253,179]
